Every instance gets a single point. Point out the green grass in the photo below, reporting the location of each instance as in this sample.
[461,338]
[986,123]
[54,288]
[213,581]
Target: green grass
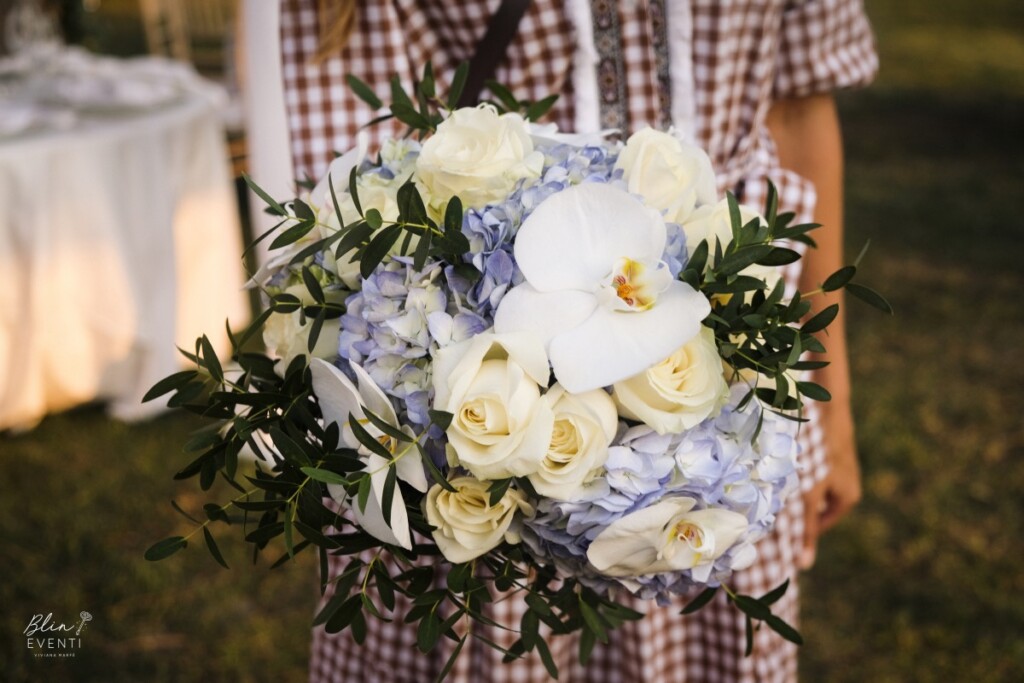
[921,583]
[83,498]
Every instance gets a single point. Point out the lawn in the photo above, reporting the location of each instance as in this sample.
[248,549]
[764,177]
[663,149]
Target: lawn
[922,583]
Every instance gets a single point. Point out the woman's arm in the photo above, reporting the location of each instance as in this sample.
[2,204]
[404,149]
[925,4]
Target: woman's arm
[809,142]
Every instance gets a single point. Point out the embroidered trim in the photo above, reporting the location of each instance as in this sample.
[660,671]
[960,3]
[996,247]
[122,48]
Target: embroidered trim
[611,77]
[659,40]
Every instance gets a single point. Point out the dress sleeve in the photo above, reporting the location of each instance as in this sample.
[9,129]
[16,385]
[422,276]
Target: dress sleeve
[824,45]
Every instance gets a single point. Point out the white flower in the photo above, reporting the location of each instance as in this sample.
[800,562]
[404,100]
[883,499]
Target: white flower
[596,290]
[679,392]
[375,192]
[548,133]
[673,177]
[477,155]
[395,153]
[339,399]
[712,223]
[466,524]
[668,536]
[491,384]
[285,336]
[338,174]
[584,426]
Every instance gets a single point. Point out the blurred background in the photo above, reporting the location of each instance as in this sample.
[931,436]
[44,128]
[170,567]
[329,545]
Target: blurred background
[921,583]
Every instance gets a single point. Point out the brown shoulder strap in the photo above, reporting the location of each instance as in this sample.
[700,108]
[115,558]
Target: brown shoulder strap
[491,49]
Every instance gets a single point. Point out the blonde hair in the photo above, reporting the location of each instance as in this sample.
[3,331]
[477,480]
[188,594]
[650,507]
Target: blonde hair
[337,19]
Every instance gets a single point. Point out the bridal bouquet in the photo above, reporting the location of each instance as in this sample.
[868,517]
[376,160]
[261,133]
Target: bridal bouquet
[518,359]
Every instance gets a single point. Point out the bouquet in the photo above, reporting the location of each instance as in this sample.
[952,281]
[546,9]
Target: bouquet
[520,360]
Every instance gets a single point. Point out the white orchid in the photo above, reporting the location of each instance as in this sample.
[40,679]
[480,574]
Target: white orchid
[339,398]
[668,536]
[597,291]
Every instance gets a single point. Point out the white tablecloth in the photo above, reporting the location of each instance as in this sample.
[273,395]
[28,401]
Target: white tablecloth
[119,239]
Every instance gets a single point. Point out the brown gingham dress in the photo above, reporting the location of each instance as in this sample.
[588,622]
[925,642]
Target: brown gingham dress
[711,68]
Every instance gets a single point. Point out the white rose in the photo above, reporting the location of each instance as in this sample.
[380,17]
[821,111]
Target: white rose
[712,223]
[672,177]
[680,392]
[476,155]
[338,173]
[669,536]
[491,384]
[285,336]
[465,524]
[375,192]
[584,426]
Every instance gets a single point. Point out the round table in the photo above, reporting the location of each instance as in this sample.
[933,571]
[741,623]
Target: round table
[119,239]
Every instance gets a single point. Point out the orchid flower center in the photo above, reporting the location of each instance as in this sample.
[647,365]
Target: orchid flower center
[634,285]
[690,534]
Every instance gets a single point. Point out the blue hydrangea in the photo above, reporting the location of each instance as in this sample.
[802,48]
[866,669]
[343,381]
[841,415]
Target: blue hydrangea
[720,463]
[742,461]
[385,328]
[491,229]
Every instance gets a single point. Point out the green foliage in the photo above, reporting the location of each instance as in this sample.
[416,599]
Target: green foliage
[917,586]
[273,411]
[762,332]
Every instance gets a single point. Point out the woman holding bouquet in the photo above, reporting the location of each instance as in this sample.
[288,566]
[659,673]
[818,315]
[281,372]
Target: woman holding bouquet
[751,83]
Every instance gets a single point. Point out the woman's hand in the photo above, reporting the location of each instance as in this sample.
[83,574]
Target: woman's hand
[835,495]
[809,142]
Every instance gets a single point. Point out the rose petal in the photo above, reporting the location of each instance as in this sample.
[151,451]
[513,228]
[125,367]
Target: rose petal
[524,348]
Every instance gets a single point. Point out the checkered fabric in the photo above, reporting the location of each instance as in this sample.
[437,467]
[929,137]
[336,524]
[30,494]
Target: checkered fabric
[399,37]
[745,53]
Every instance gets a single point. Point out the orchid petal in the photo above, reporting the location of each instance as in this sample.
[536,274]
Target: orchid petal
[337,396]
[410,470]
[371,520]
[611,346]
[546,314]
[373,397]
[572,239]
[634,541]
[378,468]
